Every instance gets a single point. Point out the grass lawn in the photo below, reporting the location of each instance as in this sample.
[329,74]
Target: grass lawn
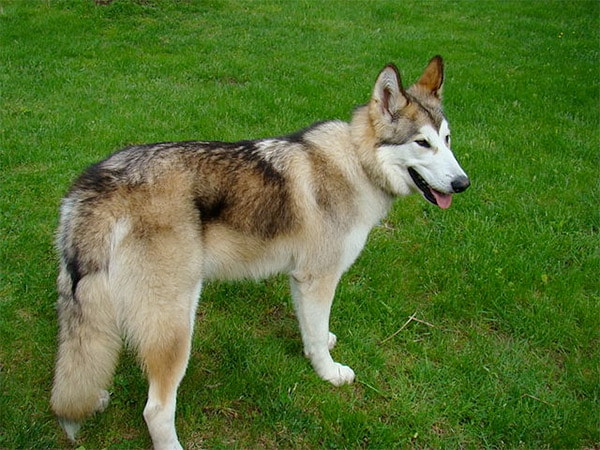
[497,297]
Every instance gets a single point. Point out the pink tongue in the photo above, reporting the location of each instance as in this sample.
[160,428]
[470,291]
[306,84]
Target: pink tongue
[443,200]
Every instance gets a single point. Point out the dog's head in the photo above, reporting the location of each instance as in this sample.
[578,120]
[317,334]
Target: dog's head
[413,136]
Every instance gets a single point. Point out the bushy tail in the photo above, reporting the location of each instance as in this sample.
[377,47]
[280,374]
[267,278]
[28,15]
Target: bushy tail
[89,345]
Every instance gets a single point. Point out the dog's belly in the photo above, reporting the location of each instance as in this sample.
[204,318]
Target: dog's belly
[229,255]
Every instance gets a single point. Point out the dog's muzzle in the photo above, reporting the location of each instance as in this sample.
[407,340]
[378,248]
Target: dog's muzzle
[441,199]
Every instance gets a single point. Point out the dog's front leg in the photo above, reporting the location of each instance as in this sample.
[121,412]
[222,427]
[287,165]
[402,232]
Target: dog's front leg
[313,296]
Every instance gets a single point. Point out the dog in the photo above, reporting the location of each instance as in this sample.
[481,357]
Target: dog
[142,230]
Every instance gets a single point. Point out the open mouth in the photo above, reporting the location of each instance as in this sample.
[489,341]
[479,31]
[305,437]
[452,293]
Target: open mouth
[437,198]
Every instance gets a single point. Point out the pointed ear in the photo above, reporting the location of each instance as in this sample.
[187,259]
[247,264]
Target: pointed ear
[389,93]
[432,79]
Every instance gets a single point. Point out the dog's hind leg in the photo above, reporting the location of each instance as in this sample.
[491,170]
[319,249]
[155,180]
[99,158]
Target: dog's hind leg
[163,286]
[313,297]
[89,345]
[164,350]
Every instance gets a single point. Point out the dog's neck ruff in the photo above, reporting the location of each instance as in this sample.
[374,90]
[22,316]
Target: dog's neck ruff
[365,145]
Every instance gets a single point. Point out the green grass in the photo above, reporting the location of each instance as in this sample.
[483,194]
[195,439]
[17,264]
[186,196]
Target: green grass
[505,284]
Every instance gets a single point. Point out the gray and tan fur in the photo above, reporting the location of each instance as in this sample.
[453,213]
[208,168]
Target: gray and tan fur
[141,231]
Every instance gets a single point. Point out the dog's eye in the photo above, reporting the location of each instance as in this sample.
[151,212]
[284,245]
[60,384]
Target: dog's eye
[448,140]
[423,143]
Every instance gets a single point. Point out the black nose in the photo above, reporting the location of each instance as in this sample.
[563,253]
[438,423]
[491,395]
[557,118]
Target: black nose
[460,184]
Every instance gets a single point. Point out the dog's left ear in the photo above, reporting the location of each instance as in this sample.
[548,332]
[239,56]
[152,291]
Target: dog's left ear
[432,79]
[388,93]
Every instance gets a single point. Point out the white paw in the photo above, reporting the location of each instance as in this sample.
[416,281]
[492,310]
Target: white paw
[339,374]
[103,400]
[332,340]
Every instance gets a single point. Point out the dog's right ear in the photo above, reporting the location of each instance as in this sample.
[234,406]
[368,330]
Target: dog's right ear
[432,79]
[388,93]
